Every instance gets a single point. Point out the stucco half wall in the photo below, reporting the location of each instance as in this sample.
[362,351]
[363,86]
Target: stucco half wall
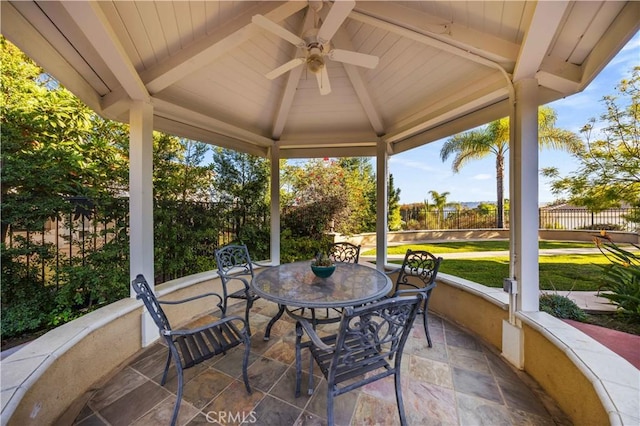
[41,381]
[590,383]
[369,239]
[60,369]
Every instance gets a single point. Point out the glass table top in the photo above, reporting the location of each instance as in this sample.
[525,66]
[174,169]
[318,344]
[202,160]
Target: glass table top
[294,284]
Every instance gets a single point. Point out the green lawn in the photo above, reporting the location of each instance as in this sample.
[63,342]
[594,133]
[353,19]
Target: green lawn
[467,246]
[576,272]
[570,272]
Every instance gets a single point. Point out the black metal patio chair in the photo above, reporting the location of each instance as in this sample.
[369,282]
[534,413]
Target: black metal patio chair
[234,263]
[339,252]
[344,252]
[190,347]
[367,347]
[418,273]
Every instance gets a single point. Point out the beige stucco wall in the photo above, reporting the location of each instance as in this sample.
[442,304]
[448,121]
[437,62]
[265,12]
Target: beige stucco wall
[369,239]
[477,309]
[589,382]
[43,379]
[554,371]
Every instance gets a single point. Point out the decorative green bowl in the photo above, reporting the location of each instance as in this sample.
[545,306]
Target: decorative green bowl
[323,271]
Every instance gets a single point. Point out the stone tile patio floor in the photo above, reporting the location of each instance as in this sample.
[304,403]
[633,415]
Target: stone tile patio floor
[458,381]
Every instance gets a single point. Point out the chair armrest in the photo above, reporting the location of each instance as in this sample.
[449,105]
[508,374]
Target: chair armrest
[189,299]
[186,332]
[236,277]
[227,278]
[424,290]
[313,335]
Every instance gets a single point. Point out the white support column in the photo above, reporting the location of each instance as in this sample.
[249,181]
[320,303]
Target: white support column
[524,195]
[275,204]
[523,229]
[382,178]
[141,203]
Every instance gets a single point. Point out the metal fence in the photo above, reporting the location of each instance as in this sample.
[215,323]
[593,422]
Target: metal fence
[183,232]
[188,233]
[568,218]
[415,217]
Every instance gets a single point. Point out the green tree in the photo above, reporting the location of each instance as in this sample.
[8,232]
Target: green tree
[60,160]
[57,157]
[359,184]
[493,139]
[52,145]
[317,197]
[440,202]
[179,172]
[241,182]
[394,220]
[609,172]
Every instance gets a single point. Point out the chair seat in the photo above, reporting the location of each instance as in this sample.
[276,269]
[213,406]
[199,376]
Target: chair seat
[197,347]
[235,265]
[242,294]
[189,347]
[361,361]
[367,347]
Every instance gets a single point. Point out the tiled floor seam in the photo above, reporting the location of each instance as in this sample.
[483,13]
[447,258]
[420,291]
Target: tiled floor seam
[461,342]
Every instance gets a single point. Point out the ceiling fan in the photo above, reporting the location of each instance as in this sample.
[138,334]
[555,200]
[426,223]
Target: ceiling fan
[317,42]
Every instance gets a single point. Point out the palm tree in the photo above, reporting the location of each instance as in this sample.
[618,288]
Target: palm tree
[493,139]
[440,202]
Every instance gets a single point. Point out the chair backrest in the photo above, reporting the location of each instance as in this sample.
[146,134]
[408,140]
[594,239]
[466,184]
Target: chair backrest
[344,252]
[421,265]
[144,293]
[233,260]
[374,333]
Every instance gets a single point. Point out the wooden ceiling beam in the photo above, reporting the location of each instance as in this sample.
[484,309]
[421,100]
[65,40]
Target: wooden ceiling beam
[206,50]
[478,95]
[546,20]
[490,47]
[35,43]
[95,26]
[293,79]
[203,121]
[342,41]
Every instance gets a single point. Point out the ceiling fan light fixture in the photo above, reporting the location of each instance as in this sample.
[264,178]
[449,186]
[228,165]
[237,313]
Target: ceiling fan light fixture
[315,60]
[315,63]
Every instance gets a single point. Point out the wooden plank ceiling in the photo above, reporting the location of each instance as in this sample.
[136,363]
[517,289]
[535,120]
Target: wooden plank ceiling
[444,66]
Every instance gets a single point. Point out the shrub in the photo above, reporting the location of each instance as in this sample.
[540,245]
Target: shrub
[25,302]
[561,307]
[413,224]
[604,226]
[293,249]
[621,277]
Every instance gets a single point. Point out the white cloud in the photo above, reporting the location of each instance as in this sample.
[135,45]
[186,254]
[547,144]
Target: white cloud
[482,176]
[420,165]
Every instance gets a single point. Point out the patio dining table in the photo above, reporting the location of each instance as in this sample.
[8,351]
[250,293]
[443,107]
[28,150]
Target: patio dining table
[293,286]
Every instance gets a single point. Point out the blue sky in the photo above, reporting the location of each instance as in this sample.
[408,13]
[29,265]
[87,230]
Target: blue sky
[420,170]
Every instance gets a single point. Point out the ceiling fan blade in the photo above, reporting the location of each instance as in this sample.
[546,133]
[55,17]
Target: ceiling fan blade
[323,81]
[276,29]
[288,66]
[353,58]
[336,16]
